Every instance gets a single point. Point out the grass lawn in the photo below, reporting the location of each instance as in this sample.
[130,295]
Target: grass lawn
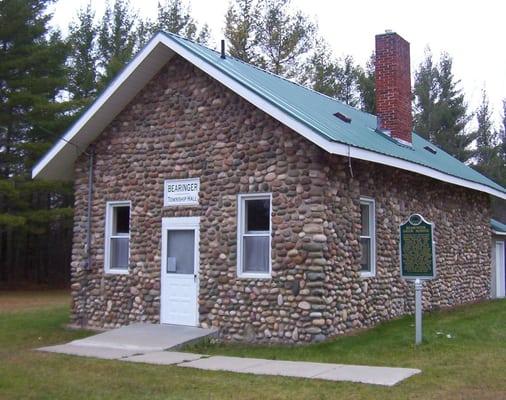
[471,364]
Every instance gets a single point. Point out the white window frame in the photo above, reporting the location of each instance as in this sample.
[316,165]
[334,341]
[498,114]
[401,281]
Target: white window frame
[241,202]
[109,213]
[370,202]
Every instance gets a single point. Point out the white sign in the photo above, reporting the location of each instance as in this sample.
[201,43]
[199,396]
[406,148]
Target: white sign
[181,192]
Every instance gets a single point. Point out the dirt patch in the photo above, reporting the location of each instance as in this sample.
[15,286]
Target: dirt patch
[13,301]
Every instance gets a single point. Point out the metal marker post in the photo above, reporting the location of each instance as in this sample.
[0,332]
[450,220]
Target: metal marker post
[418,311]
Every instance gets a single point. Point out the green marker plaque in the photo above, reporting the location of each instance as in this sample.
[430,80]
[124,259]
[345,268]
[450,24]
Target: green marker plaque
[417,253]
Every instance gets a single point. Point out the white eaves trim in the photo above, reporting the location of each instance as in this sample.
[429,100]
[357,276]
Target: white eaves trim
[498,233]
[258,101]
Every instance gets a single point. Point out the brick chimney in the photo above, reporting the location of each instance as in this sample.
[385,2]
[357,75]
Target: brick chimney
[393,87]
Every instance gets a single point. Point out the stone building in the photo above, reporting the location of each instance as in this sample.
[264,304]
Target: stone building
[211,193]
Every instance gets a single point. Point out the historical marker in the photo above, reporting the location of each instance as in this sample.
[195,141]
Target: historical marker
[418,260]
[417,249]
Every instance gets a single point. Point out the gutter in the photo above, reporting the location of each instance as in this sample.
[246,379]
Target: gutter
[91,157]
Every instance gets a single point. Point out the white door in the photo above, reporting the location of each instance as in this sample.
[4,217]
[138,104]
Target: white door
[499,269]
[179,275]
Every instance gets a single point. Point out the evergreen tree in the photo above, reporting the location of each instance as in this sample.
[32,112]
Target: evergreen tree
[175,17]
[367,86]
[336,78]
[452,114]
[425,97]
[440,108]
[32,82]
[117,39]
[32,79]
[270,35]
[285,38]
[501,136]
[346,77]
[83,60]
[497,165]
[204,35]
[242,30]
[485,136]
[320,70]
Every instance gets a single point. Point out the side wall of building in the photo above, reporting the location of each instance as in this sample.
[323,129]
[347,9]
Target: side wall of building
[462,238]
[185,124]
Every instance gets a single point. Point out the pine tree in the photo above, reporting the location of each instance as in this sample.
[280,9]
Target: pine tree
[485,135]
[204,35]
[367,86]
[488,152]
[337,78]
[285,38]
[270,35]
[242,30]
[440,108]
[83,60]
[175,17]
[117,39]
[497,166]
[32,82]
[346,77]
[425,97]
[32,76]
[499,169]
[452,114]
[501,135]
[320,70]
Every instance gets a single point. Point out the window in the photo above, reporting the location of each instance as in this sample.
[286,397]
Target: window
[254,236]
[367,237]
[117,237]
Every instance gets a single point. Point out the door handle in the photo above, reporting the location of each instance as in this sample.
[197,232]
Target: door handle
[194,277]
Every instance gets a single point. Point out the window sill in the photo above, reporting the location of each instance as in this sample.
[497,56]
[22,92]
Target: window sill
[117,272]
[367,275]
[253,276]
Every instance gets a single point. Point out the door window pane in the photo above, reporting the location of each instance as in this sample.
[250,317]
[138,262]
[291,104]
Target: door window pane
[257,215]
[181,251]
[119,253]
[256,253]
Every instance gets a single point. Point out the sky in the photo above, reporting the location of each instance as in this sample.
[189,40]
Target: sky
[473,33]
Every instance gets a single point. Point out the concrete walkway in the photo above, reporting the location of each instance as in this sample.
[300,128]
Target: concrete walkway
[146,343]
[301,369]
[132,339]
[143,337]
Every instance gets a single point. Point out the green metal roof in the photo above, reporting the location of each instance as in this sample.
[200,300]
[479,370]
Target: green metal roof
[316,111]
[497,226]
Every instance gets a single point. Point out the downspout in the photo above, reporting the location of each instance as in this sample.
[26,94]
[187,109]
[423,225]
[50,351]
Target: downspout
[91,155]
[84,286]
